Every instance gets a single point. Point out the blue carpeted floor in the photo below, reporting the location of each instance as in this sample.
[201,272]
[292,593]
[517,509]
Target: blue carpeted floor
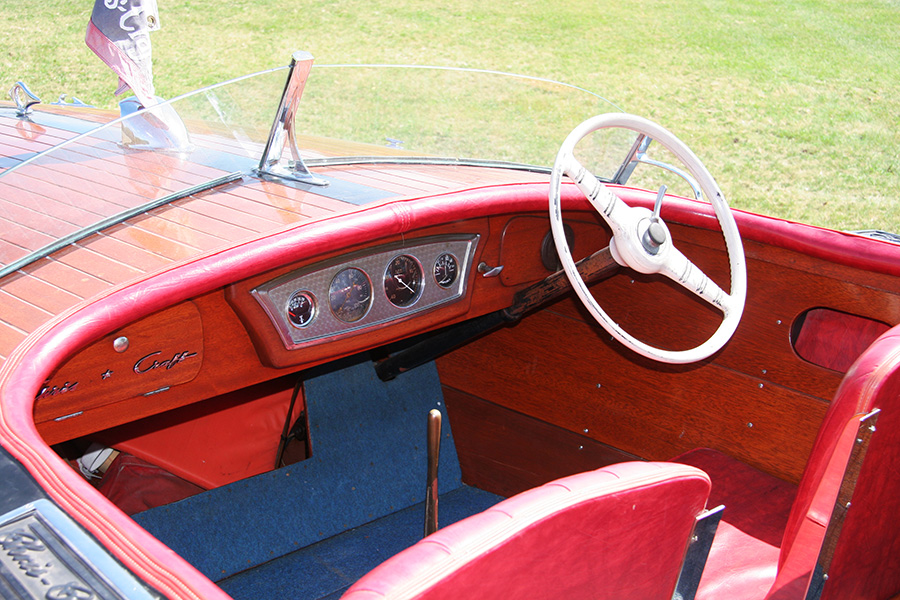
[367,467]
[328,568]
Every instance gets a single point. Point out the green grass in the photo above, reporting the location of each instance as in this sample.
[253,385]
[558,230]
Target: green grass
[793,106]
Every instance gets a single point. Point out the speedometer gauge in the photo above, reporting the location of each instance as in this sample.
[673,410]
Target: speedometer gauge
[350,295]
[403,281]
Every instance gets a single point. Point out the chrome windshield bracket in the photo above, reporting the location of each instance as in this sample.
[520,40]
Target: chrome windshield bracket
[23,105]
[638,154]
[282,133]
[638,148]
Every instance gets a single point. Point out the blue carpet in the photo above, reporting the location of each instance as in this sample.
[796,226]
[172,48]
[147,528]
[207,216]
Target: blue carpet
[328,568]
[368,460]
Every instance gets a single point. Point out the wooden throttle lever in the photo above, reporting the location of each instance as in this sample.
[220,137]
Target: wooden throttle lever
[431,483]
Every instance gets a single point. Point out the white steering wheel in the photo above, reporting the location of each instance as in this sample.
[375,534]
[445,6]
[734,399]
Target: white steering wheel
[641,240]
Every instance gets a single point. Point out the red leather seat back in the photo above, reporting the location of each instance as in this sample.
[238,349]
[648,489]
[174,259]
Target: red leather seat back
[872,382]
[866,562]
[617,532]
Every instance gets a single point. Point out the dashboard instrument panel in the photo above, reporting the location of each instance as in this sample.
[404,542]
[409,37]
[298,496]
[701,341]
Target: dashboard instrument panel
[367,289]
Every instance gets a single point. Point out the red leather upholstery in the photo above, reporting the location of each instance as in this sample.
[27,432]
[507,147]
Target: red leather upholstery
[214,442]
[618,532]
[134,485]
[745,561]
[866,562]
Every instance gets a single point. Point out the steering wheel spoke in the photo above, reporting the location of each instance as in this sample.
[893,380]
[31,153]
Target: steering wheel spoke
[601,197]
[641,240]
[680,269]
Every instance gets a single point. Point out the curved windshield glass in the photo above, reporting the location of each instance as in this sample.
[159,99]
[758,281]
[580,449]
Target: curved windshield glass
[107,174]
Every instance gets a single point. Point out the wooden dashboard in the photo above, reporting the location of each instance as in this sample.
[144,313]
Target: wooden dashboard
[231,338]
[760,399]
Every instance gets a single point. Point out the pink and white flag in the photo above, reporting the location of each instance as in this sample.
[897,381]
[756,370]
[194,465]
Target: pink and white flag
[119,33]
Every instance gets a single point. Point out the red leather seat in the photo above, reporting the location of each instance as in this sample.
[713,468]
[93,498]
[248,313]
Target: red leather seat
[617,532]
[771,534]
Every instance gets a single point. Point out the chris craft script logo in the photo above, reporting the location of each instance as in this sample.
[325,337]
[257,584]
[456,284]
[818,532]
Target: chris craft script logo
[145,364]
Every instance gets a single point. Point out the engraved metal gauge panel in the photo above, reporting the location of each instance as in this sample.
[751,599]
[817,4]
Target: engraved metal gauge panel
[367,289]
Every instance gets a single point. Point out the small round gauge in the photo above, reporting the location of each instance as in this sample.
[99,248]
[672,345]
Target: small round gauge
[446,270]
[301,308]
[350,295]
[403,280]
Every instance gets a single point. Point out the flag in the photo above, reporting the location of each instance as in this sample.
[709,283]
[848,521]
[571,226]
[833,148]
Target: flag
[119,33]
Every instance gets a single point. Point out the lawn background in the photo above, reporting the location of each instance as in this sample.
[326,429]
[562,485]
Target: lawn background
[793,106]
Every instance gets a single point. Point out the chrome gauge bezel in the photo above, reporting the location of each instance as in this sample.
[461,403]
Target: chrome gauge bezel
[316,281]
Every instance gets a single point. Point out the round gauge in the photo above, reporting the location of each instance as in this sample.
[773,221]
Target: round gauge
[403,280]
[301,308]
[350,295]
[446,270]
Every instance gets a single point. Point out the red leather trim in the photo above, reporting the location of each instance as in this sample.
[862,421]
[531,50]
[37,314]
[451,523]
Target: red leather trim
[834,340]
[135,485]
[865,564]
[855,397]
[33,361]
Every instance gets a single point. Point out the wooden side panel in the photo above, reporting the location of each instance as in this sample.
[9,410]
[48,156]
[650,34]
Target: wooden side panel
[506,452]
[568,373]
[228,363]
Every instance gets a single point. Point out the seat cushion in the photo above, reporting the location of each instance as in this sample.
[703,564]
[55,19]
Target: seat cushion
[743,561]
[590,535]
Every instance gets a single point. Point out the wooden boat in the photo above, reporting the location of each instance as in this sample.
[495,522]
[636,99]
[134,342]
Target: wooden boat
[250,323]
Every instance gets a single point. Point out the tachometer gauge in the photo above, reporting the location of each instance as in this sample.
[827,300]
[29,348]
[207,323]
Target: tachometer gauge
[350,295]
[446,270]
[301,308]
[403,281]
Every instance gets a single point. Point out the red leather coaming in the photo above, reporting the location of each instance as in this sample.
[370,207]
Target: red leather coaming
[617,532]
[47,347]
[745,562]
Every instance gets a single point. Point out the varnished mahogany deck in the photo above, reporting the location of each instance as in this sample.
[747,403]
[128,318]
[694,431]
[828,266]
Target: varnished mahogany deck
[90,181]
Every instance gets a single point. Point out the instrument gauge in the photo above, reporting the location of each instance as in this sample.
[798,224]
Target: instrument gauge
[350,295]
[403,281]
[446,270]
[301,308]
